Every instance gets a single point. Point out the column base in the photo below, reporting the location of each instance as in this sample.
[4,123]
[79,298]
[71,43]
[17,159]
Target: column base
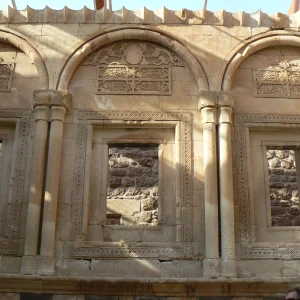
[29,265]
[46,265]
[211,268]
[229,268]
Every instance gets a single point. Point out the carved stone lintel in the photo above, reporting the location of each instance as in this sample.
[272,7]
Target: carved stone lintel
[52,98]
[215,98]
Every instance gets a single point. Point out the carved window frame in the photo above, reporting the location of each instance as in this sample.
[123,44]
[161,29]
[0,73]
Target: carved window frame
[22,120]
[242,124]
[7,77]
[181,249]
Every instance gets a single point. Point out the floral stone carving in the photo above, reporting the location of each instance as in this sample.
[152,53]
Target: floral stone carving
[133,68]
[6,73]
[282,80]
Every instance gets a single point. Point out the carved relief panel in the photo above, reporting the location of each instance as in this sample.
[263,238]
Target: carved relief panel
[6,73]
[133,68]
[282,80]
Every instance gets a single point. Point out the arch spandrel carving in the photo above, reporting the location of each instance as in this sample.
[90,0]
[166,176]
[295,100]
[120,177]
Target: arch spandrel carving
[257,43]
[20,42]
[133,68]
[124,35]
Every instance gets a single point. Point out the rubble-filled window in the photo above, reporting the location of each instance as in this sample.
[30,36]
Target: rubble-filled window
[283,182]
[132,191]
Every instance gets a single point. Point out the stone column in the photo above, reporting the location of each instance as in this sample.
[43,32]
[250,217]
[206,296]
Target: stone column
[59,105]
[228,259]
[41,112]
[211,263]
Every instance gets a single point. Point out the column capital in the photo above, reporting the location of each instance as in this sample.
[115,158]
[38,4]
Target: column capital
[209,115]
[215,98]
[58,113]
[52,98]
[41,113]
[225,114]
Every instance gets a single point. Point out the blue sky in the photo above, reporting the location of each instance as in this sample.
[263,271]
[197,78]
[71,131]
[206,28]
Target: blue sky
[267,6]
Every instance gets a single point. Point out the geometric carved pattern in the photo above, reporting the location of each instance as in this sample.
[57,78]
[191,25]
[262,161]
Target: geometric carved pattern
[133,68]
[9,245]
[134,80]
[248,250]
[6,73]
[184,203]
[278,81]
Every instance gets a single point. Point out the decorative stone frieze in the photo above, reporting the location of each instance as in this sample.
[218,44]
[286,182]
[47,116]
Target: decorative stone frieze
[278,81]
[250,249]
[6,74]
[133,68]
[10,244]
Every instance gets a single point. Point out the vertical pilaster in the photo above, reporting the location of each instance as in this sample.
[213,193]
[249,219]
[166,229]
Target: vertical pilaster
[228,258]
[211,263]
[36,186]
[58,103]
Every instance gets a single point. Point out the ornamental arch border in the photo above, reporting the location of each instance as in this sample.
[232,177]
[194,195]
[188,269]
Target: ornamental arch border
[255,44]
[199,69]
[21,42]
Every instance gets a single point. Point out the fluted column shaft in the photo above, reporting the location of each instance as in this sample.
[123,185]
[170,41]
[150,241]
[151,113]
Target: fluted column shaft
[36,180]
[228,259]
[52,181]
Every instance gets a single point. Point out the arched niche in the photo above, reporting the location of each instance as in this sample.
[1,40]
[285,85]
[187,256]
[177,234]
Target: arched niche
[22,70]
[142,35]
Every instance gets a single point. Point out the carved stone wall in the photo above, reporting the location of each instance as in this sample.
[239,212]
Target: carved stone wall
[281,80]
[283,188]
[133,183]
[6,73]
[133,68]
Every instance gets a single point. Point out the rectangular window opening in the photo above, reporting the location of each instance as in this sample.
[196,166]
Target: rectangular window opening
[284,179]
[132,188]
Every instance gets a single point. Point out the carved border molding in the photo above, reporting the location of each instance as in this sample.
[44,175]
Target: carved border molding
[248,250]
[6,74]
[10,244]
[84,248]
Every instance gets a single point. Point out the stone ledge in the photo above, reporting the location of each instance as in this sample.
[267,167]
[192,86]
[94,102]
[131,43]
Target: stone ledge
[250,287]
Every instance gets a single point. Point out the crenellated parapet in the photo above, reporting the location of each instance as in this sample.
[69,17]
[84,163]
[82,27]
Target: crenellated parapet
[146,16]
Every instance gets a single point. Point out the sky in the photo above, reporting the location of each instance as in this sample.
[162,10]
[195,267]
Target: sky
[267,6]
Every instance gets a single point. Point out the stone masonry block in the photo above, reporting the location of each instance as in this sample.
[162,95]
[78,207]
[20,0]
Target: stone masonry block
[75,267]
[137,268]
[260,268]
[103,268]
[11,265]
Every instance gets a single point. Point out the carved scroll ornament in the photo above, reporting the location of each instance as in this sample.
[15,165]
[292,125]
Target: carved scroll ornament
[278,81]
[133,68]
[6,72]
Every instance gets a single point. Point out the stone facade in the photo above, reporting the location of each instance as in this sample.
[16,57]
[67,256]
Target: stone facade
[148,154]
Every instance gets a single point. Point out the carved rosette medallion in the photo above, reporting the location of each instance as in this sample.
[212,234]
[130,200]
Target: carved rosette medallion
[6,72]
[282,80]
[133,68]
